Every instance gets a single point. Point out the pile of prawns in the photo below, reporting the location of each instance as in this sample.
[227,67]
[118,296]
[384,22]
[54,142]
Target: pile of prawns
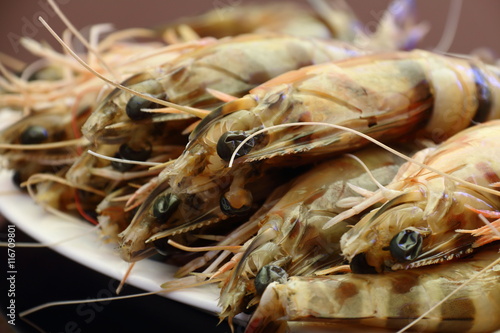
[278,150]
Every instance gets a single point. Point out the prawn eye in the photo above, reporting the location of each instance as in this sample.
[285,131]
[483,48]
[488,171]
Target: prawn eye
[406,245]
[229,141]
[33,135]
[17,179]
[164,206]
[139,152]
[267,275]
[136,103]
[136,153]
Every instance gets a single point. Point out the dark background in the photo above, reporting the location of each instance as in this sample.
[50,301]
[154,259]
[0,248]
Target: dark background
[47,276]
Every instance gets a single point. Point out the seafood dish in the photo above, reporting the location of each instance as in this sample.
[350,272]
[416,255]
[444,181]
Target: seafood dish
[310,173]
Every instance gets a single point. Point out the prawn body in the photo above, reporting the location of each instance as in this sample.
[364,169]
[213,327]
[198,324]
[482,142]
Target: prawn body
[396,30]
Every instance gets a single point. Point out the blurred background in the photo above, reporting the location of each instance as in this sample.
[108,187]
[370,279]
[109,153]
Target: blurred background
[478,22]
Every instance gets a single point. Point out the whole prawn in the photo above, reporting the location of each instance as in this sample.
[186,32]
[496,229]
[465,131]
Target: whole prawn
[385,96]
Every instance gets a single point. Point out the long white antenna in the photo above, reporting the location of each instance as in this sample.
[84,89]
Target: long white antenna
[77,34]
[120,160]
[451,27]
[369,138]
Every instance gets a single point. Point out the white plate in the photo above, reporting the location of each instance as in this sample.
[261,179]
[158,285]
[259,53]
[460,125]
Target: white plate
[88,250]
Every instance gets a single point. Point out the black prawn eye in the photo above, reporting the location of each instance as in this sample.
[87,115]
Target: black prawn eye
[406,245]
[267,275]
[164,206]
[122,167]
[229,141]
[136,103]
[33,135]
[139,152]
[17,179]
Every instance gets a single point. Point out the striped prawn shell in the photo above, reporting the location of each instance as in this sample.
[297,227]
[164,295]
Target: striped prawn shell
[391,300]
[385,96]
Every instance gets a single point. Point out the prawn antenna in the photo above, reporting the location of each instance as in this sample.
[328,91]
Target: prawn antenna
[369,138]
[10,77]
[120,160]
[41,177]
[44,146]
[451,27]
[125,277]
[231,248]
[84,301]
[78,35]
[200,113]
[368,171]
[187,109]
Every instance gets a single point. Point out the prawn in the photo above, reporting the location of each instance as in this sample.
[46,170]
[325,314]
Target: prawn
[190,78]
[41,142]
[292,19]
[185,79]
